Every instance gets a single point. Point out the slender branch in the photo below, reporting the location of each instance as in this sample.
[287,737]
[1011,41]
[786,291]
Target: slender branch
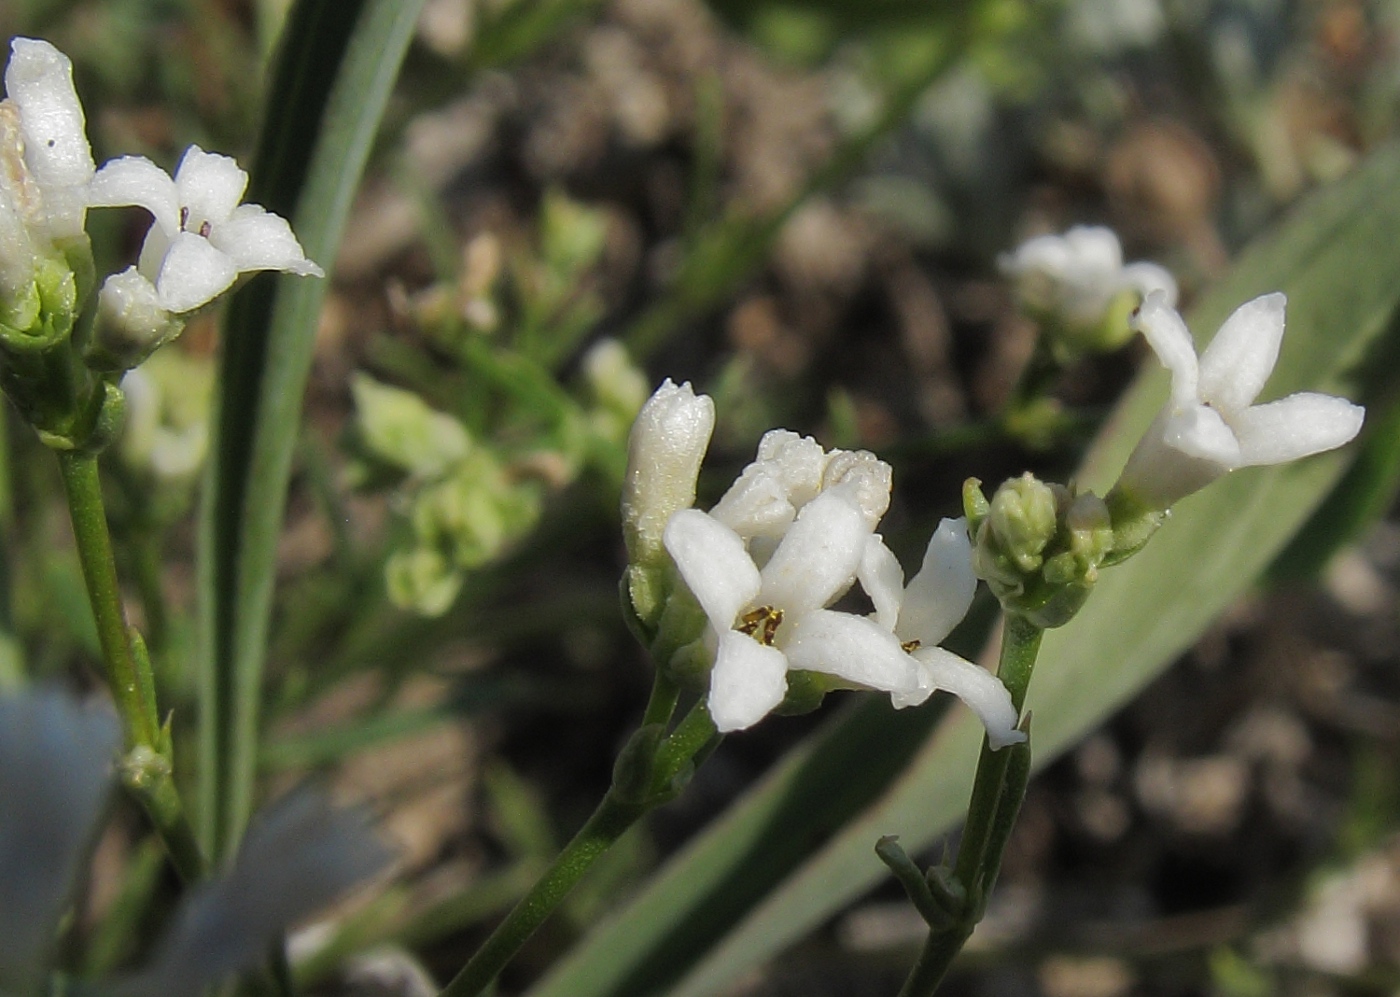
[996,798]
[692,738]
[608,823]
[84,491]
[1020,642]
[146,770]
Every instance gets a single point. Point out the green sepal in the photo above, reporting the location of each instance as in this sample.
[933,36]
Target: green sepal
[634,771]
[805,692]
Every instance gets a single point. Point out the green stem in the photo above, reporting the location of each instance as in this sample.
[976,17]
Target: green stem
[145,566]
[608,823]
[938,953]
[988,814]
[146,769]
[84,491]
[1020,642]
[614,816]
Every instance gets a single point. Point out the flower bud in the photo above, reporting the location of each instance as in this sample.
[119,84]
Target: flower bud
[421,580]
[664,451]
[131,324]
[1038,546]
[399,428]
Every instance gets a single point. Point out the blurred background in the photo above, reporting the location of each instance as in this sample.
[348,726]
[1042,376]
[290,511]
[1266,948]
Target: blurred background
[798,206]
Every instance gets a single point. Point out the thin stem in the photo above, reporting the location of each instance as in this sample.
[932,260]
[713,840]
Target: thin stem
[693,736]
[608,823]
[1020,642]
[146,769]
[938,953]
[84,491]
[988,815]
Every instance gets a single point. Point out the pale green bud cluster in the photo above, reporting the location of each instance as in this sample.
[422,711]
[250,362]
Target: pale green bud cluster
[1038,546]
[462,505]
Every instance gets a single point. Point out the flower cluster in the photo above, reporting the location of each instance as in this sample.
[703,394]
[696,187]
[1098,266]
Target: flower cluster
[201,238]
[794,533]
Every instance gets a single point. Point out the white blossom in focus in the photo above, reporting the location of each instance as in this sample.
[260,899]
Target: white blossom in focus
[1210,425]
[202,238]
[56,154]
[1076,277]
[788,540]
[45,161]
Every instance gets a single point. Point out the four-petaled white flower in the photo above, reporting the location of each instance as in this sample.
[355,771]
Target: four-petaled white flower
[1076,276]
[816,513]
[1211,425]
[202,238]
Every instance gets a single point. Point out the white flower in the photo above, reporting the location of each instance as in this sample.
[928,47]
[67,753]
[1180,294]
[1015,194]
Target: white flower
[767,620]
[56,154]
[1076,276]
[664,451]
[1210,425]
[791,470]
[202,237]
[45,161]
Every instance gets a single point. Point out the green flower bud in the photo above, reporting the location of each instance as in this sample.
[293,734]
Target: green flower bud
[400,429]
[421,581]
[1038,546]
[1022,520]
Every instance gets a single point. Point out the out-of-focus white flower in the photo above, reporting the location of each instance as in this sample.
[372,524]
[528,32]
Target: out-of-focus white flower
[1073,280]
[202,237]
[1210,425]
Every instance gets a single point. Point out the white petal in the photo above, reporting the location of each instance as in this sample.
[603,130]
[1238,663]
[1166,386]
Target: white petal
[712,560]
[883,580]
[210,186]
[796,461]
[192,274]
[1158,475]
[819,555]
[1148,277]
[978,688]
[39,79]
[1199,431]
[756,504]
[257,239]
[747,682]
[1240,358]
[938,597]
[1095,257]
[1296,426]
[1170,340]
[137,180]
[854,648]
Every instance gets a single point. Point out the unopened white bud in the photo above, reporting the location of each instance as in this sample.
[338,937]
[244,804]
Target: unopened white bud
[664,451]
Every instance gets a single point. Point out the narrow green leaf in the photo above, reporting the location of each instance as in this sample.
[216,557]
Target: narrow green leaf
[1333,260]
[336,66]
